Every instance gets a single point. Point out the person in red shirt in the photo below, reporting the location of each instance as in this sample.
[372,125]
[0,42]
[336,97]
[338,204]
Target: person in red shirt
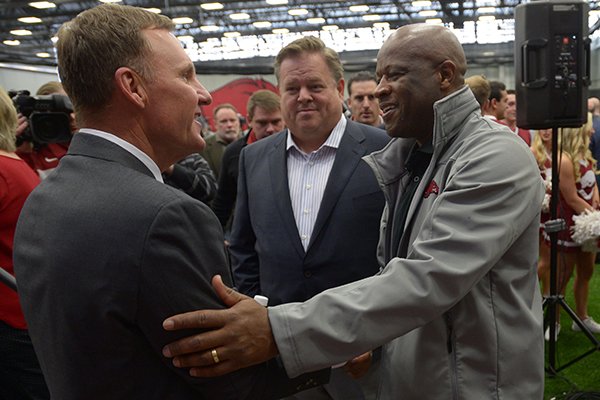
[20,376]
[510,118]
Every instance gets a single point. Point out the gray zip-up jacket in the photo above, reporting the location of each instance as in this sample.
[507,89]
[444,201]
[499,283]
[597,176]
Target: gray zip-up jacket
[459,305]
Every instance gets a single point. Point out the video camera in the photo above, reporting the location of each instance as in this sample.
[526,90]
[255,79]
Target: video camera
[49,117]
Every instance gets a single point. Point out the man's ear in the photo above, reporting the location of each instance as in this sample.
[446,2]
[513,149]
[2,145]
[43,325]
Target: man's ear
[493,104]
[131,86]
[447,75]
[340,88]
[486,106]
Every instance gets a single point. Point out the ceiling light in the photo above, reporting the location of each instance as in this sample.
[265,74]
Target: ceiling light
[239,16]
[209,28]
[43,55]
[29,20]
[371,17]
[359,8]
[232,34]
[212,6]
[317,20]
[487,18]
[330,27]
[153,10]
[298,11]
[21,32]
[262,24]
[421,3]
[281,31]
[42,4]
[185,38]
[276,2]
[382,25]
[434,21]
[12,42]
[486,10]
[428,13]
[182,20]
[109,1]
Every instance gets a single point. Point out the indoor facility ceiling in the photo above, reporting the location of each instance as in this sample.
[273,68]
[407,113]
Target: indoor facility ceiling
[242,37]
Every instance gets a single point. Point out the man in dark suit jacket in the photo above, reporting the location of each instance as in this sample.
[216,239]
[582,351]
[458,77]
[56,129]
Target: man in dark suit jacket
[104,251]
[308,208]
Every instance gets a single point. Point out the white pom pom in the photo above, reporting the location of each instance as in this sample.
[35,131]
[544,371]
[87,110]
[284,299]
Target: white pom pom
[546,203]
[548,183]
[586,227]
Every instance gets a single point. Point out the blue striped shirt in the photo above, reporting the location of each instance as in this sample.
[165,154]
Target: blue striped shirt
[307,178]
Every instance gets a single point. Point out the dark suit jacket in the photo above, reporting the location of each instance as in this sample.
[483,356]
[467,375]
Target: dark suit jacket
[224,201]
[268,256]
[103,253]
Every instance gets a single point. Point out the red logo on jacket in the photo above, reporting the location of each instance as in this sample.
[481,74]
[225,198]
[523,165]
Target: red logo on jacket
[433,188]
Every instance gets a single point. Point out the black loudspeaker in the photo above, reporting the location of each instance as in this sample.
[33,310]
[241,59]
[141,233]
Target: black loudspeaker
[552,63]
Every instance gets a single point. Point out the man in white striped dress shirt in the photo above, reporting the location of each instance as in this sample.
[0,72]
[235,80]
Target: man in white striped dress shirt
[305,197]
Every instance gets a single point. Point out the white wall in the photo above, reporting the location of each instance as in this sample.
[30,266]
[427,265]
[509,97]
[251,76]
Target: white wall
[25,78]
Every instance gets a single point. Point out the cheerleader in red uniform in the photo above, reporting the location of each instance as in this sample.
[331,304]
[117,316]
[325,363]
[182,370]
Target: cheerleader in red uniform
[578,193]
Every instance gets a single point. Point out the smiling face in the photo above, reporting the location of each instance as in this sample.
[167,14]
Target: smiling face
[174,100]
[545,135]
[411,80]
[407,89]
[311,99]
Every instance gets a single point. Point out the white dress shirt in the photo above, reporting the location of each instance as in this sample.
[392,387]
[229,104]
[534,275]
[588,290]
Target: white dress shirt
[307,178]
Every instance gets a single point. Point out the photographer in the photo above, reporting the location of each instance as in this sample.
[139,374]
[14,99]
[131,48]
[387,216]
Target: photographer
[20,374]
[42,157]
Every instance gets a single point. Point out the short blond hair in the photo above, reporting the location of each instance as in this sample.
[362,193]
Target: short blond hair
[311,44]
[93,45]
[8,122]
[480,87]
[49,88]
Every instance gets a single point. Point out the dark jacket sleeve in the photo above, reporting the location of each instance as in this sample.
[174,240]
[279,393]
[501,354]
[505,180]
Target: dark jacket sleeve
[193,176]
[175,276]
[245,258]
[224,201]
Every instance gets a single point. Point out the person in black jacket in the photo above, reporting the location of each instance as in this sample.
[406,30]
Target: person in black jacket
[264,119]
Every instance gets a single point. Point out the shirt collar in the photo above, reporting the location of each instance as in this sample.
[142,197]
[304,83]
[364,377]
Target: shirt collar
[333,140]
[130,148]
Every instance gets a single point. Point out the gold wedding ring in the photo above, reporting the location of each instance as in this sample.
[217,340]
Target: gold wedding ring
[215,356]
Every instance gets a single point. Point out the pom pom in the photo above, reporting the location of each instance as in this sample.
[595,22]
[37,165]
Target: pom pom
[586,229]
[548,183]
[546,203]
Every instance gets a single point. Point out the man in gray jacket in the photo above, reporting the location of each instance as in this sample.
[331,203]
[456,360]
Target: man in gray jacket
[457,302]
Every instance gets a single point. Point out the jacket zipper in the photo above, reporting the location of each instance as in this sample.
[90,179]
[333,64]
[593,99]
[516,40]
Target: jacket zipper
[450,344]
